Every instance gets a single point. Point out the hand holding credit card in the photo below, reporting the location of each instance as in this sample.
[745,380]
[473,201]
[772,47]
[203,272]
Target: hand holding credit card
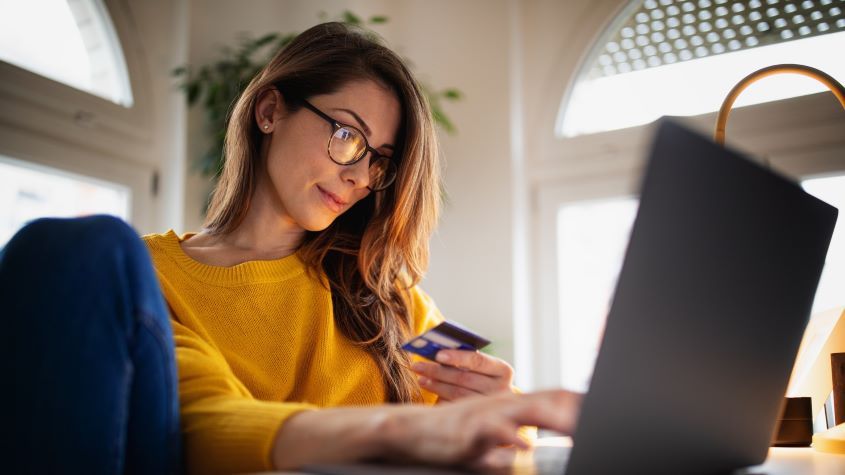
[446,335]
[458,369]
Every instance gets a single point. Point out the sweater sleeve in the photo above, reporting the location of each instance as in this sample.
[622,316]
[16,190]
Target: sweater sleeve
[225,428]
[425,312]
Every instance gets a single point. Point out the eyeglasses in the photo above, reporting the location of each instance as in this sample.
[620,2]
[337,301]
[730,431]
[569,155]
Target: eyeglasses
[348,145]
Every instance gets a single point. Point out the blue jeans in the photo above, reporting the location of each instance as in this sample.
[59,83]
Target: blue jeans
[87,342]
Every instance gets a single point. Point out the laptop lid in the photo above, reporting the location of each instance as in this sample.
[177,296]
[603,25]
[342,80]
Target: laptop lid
[710,306]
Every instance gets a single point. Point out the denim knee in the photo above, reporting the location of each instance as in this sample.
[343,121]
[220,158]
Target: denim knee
[66,237]
[79,254]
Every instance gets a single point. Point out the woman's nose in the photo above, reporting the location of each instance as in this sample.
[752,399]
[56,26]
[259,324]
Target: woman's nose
[358,174]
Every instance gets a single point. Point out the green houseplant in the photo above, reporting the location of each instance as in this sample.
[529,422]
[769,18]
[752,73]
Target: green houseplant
[216,86]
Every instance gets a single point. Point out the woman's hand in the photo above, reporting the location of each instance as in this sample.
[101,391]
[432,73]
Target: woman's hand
[462,373]
[462,432]
[465,431]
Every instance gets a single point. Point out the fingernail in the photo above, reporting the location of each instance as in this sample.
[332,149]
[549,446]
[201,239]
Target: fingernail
[417,366]
[424,381]
[442,357]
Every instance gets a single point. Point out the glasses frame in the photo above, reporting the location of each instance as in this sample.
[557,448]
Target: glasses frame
[337,125]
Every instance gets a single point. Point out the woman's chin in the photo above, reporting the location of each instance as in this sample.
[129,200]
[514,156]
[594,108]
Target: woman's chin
[317,225]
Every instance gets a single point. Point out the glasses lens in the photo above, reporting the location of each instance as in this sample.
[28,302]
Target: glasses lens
[346,145]
[382,173]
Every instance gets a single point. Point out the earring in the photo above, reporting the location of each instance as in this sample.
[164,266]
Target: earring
[266,126]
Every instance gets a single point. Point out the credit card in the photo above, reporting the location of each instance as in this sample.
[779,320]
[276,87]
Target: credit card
[447,335]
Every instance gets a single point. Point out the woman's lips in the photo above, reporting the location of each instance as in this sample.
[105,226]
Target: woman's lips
[331,200]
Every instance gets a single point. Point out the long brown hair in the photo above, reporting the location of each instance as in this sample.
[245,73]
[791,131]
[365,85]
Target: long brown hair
[372,254]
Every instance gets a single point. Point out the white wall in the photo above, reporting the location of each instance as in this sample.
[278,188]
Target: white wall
[466,45]
[161,27]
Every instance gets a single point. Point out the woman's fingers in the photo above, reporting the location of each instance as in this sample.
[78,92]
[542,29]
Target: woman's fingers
[465,430]
[551,409]
[461,373]
[468,379]
[475,361]
[446,391]
[500,432]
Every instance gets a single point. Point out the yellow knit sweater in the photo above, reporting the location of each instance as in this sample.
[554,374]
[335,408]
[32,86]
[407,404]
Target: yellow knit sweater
[256,343]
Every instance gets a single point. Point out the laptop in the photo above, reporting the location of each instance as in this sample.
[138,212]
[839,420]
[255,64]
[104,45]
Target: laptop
[714,294]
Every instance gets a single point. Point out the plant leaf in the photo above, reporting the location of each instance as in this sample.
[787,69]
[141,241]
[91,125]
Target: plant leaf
[351,18]
[378,19]
[452,94]
[193,90]
[265,40]
[441,119]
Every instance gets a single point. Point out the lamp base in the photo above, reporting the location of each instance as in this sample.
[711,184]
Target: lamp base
[795,426]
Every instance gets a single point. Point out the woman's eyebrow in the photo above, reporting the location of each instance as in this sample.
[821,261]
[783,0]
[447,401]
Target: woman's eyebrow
[360,121]
[364,126]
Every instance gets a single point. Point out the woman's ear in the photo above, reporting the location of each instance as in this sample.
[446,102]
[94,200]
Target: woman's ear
[269,109]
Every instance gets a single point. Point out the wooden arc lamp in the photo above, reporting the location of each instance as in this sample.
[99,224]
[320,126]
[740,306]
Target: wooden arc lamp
[813,370]
[722,119]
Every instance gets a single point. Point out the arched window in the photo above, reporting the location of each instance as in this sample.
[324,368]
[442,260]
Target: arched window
[69,41]
[73,141]
[681,57]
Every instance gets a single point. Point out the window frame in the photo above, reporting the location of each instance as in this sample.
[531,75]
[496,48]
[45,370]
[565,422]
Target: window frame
[52,124]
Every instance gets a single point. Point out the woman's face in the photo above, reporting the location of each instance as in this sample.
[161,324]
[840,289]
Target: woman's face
[304,184]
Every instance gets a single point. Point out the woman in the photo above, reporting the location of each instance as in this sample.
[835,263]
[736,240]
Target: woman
[296,296]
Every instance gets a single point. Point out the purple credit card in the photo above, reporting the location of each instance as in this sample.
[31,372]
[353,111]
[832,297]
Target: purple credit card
[447,335]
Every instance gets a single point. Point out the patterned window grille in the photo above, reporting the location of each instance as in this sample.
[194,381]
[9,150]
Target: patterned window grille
[665,31]
[638,66]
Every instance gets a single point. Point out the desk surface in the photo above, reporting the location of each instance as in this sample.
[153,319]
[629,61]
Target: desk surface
[781,461]
[803,460]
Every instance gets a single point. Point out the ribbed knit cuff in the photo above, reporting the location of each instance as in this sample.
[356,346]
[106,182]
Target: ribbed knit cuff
[234,435]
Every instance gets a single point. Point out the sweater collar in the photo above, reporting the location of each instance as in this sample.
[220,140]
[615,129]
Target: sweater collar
[258,271]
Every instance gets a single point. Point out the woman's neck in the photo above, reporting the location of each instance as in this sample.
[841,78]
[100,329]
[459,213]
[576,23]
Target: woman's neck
[266,232]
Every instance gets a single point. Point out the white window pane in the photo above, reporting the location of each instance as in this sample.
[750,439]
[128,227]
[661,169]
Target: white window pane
[831,291]
[28,192]
[69,41]
[592,238]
